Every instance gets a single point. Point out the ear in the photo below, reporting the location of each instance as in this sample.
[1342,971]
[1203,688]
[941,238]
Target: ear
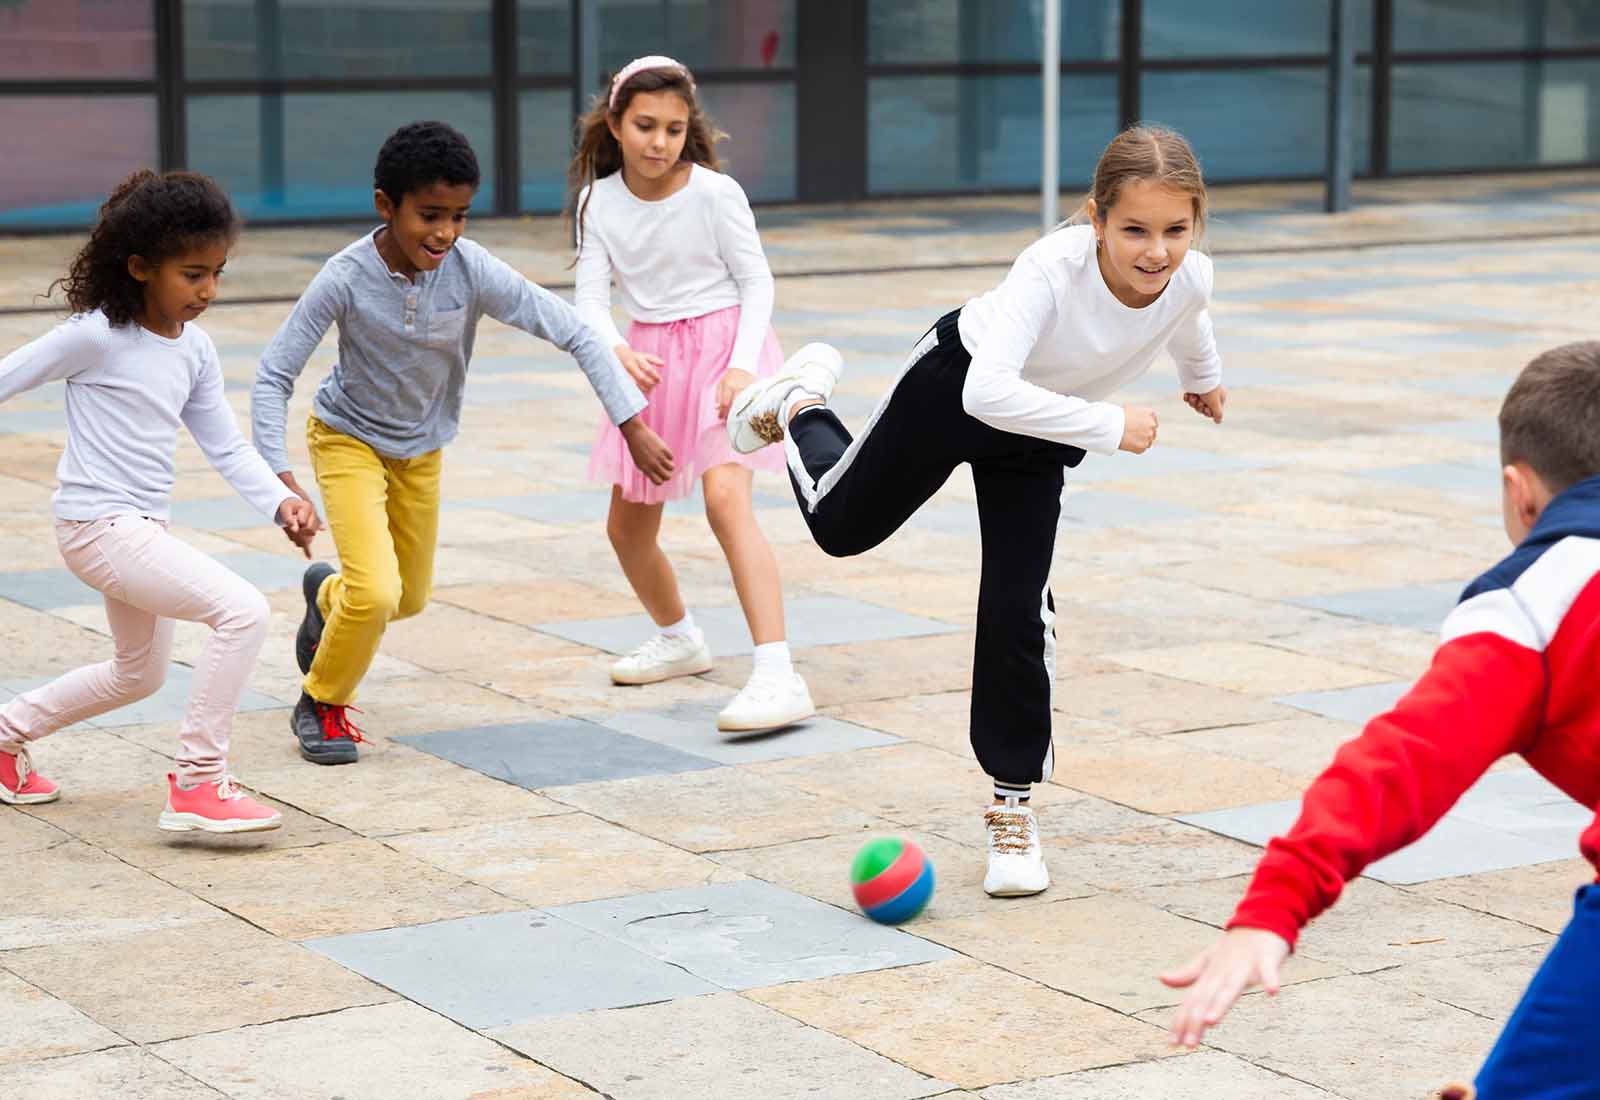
[140,269]
[1525,492]
[1093,209]
[384,206]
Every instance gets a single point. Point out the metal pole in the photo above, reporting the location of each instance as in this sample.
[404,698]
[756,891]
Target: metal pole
[1341,86]
[1050,184]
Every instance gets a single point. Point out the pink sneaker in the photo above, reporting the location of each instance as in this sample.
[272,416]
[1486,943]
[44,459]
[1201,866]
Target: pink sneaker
[215,807]
[20,785]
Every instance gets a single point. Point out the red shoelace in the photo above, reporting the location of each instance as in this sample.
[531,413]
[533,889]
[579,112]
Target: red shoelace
[336,723]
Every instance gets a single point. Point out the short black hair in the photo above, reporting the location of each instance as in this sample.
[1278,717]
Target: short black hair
[1551,417]
[423,153]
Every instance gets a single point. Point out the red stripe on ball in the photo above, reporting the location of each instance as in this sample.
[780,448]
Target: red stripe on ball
[892,880]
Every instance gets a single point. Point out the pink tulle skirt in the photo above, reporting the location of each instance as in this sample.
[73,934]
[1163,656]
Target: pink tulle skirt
[683,407]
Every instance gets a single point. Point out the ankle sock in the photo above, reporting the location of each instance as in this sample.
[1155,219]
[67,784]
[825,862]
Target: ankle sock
[1019,791]
[773,657]
[797,397]
[683,628]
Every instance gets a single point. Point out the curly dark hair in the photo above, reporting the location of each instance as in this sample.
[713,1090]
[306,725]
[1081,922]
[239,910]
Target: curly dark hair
[423,153]
[155,216]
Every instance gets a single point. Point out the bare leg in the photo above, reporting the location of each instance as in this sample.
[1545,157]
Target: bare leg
[755,570]
[632,529]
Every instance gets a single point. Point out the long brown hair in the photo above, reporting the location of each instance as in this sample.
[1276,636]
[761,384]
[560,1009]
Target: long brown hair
[599,154]
[1145,152]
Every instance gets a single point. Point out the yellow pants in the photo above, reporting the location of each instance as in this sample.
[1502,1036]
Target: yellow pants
[384,515]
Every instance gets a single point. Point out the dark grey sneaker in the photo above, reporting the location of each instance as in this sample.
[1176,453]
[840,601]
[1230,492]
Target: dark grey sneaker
[325,732]
[311,624]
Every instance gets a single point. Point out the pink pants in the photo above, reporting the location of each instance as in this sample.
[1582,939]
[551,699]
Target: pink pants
[148,579]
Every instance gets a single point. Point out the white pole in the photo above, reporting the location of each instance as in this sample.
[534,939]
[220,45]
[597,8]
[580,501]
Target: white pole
[1050,183]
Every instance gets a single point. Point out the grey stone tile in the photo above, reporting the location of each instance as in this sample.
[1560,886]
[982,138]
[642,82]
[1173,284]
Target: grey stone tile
[229,513]
[1157,462]
[589,507]
[555,754]
[1095,508]
[1414,606]
[1452,477]
[32,421]
[692,727]
[166,705]
[508,967]
[743,935]
[47,589]
[1484,431]
[1352,704]
[823,620]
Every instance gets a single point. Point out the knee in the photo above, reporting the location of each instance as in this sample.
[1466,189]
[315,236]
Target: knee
[375,597]
[726,508]
[248,614]
[139,680]
[629,533]
[836,543]
[412,601]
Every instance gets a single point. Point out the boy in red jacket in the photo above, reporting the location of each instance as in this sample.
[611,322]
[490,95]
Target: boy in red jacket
[1517,671]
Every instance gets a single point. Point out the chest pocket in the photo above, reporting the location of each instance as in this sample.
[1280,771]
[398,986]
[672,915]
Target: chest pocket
[446,326]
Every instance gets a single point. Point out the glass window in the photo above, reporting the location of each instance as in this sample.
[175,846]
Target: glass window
[1494,25]
[1571,23]
[278,39]
[1495,115]
[760,123]
[703,34]
[310,154]
[544,37]
[63,39]
[65,153]
[546,148]
[912,31]
[968,133]
[1257,123]
[1245,28]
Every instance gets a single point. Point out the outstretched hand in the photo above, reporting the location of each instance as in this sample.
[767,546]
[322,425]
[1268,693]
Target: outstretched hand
[1238,960]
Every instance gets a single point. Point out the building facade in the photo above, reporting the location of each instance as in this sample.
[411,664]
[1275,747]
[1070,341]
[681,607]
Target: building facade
[286,101]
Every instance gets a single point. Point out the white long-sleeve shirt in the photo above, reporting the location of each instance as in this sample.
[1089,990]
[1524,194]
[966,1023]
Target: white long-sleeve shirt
[127,391]
[692,253]
[1051,342]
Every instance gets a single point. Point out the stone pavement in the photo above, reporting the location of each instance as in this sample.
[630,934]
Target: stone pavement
[539,886]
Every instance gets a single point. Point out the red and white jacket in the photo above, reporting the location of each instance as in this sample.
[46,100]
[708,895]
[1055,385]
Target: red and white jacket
[1517,671]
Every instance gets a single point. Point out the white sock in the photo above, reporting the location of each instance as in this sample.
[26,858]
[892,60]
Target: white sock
[683,628]
[796,397]
[772,657]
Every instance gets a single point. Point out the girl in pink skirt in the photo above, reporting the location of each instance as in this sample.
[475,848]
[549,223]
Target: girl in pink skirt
[654,212]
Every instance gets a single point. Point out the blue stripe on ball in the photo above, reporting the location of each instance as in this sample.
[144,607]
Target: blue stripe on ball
[909,902]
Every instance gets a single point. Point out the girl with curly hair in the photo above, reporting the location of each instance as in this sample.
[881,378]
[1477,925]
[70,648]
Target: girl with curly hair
[136,366]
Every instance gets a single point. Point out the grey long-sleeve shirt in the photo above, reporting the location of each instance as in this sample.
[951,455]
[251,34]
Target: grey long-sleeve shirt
[404,348]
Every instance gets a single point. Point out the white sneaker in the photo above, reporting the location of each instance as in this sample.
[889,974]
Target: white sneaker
[755,417]
[771,700]
[1016,862]
[662,658]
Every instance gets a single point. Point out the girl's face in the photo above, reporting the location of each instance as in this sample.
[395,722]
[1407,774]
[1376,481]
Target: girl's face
[1143,239]
[651,132]
[180,287]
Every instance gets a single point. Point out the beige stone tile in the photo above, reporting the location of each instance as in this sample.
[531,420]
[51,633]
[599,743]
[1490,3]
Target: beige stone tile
[182,981]
[1148,702]
[1161,777]
[1300,747]
[545,600]
[1107,949]
[907,783]
[35,1025]
[123,1072]
[356,886]
[757,1054]
[1540,895]
[431,703]
[390,1050]
[1265,576]
[943,721]
[1404,654]
[81,759]
[1386,563]
[717,809]
[1373,926]
[559,860]
[841,674]
[1249,667]
[1206,1075]
[1489,984]
[929,1018]
[451,639]
[91,896]
[1340,1034]
[36,644]
[27,833]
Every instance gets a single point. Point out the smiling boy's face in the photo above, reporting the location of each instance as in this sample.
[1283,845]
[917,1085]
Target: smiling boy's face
[423,226]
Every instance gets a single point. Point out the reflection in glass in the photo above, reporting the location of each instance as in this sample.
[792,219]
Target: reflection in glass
[544,37]
[65,153]
[909,31]
[1494,24]
[1495,115]
[703,34]
[310,154]
[760,122]
[952,133]
[63,39]
[546,148]
[1245,28]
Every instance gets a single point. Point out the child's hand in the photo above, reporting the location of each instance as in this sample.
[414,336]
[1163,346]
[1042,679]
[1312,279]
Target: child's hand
[1138,429]
[1209,403]
[645,370]
[732,383]
[299,521]
[1239,959]
[650,452]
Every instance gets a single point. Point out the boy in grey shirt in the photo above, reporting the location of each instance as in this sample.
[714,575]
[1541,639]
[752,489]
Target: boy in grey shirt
[407,299]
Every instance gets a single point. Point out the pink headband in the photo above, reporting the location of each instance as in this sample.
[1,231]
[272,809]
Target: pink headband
[636,66]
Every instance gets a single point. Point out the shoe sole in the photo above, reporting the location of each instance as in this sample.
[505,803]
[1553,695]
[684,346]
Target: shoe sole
[1016,893]
[342,756]
[627,680]
[188,823]
[305,649]
[27,799]
[727,726]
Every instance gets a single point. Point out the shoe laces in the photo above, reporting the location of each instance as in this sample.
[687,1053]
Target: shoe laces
[657,648]
[24,768]
[336,723]
[228,788]
[1010,831]
[763,686]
